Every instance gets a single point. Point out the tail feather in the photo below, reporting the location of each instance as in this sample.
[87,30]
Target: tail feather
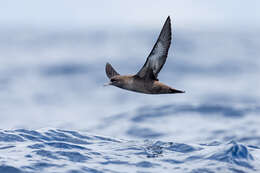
[173,91]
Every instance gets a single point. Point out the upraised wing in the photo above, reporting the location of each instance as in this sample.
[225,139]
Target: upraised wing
[158,55]
[110,71]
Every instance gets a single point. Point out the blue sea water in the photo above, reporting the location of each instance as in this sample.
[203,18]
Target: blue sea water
[56,150]
[57,117]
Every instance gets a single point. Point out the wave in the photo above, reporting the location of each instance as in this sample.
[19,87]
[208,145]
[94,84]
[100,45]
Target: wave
[57,150]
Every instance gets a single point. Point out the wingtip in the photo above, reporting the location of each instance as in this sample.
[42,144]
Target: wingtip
[168,22]
[168,18]
[108,65]
[110,71]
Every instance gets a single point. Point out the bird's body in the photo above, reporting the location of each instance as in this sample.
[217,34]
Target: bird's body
[147,86]
[146,81]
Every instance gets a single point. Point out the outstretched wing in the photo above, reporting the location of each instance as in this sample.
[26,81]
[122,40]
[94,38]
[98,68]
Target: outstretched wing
[158,55]
[110,71]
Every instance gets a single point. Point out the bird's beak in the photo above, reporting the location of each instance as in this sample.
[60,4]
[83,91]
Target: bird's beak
[107,84]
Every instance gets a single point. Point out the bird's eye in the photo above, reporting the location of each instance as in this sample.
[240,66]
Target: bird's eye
[112,80]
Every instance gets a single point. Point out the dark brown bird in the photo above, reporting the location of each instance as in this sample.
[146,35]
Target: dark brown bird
[146,81]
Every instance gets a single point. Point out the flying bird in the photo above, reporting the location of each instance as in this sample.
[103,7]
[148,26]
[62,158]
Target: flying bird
[146,80]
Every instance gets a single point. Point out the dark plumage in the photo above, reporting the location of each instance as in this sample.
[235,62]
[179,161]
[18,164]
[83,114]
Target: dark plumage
[146,81]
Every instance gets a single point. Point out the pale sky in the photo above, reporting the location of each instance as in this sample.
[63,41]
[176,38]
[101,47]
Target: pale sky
[118,13]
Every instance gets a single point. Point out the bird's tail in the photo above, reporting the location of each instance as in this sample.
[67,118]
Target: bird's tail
[175,91]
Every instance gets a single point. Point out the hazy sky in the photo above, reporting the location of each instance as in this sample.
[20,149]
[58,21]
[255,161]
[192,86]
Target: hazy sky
[103,13]
[209,66]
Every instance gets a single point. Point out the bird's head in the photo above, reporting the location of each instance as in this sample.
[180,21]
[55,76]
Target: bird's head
[116,81]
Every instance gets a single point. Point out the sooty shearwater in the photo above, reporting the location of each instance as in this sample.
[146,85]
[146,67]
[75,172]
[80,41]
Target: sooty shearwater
[146,81]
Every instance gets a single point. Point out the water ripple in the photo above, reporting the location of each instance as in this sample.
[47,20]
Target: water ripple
[70,152]
[9,169]
[149,112]
[235,153]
